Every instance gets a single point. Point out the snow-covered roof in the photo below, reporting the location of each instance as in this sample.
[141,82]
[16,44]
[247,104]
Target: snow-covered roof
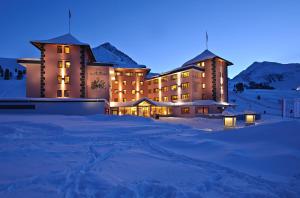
[10,63]
[107,53]
[202,57]
[25,99]
[249,112]
[230,112]
[151,75]
[178,69]
[160,104]
[66,39]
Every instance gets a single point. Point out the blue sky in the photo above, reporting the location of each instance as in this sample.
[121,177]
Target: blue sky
[161,34]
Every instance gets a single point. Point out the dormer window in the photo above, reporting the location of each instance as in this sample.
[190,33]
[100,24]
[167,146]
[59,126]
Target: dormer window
[59,49]
[67,49]
[201,64]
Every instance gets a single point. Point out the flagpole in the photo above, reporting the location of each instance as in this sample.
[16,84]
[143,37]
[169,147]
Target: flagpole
[69,21]
[206,40]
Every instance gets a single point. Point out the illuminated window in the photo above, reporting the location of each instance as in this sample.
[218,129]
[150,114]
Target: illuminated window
[203,85]
[230,121]
[128,74]
[185,85]
[165,89]
[156,99]
[250,119]
[133,91]
[174,87]
[164,79]
[165,98]
[174,77]
[132,99]
[142,91]
[133,82]
[59,93]
[116,100]
[185,110]
[66,93]
[185,74]
[118,73]
[124,100]
[60,64]
[59,79]
[67,64]
[174,97]
[156,81]
[116,82]
[124,82]
[203,75]
[116,91]
[185,96]
[156,90]
[67,79]
[140,74]
[67,49]
[124,91]
[149,91]
[221,80]
[201,64]
[142,83]
[59,49]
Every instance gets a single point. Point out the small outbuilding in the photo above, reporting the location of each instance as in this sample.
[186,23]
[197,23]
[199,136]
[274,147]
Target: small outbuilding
[229,118]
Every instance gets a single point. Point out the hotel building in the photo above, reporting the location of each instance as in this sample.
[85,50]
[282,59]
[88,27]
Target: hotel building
[68,68]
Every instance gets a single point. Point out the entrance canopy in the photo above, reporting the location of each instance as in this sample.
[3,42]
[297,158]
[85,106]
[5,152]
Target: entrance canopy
[142,107]
[138,102]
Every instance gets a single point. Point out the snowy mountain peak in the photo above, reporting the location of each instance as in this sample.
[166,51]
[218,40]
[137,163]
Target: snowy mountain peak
[277,75]
[107,53]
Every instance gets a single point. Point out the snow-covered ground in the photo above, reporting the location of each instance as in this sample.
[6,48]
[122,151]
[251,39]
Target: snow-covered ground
[270,100]
[110,156]
[12,88]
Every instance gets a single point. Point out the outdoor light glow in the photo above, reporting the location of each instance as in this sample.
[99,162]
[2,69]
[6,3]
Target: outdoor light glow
[137,85]
[159,88]
[62,85]
[179,86]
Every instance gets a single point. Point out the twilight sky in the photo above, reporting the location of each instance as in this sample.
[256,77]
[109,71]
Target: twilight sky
[161,34]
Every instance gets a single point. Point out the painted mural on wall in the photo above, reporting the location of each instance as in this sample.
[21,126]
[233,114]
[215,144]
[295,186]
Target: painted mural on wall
[98,84]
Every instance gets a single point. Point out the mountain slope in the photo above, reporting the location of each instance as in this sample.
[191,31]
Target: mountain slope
[277,75]
[107,53]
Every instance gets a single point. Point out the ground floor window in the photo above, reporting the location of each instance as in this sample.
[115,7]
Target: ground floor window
[144,110]
[66,93]
[201,110]
[185,110]
[59,93]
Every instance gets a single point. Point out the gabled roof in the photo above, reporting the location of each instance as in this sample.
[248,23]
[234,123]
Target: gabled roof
[206,55]
[66,39]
